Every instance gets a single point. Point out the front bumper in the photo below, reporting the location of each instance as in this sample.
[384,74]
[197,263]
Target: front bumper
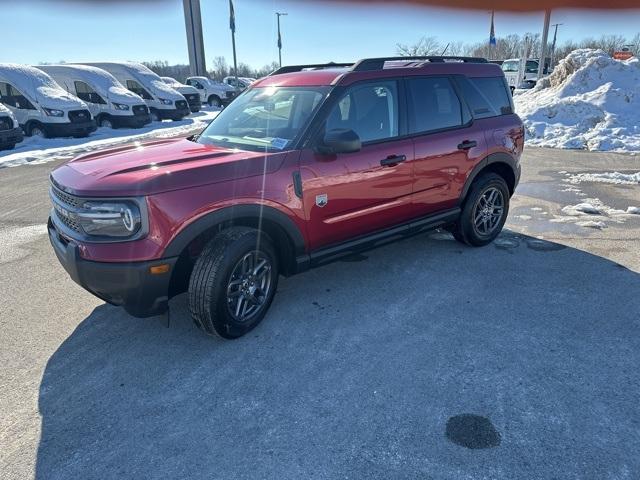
[11,137]
[71,129]
[130,285]
[173,114]
[130,121]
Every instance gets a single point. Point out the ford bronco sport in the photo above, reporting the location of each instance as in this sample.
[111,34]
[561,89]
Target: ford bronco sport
[308,164]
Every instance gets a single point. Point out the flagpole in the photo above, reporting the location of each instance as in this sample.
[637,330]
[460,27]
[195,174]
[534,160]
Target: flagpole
[232,26]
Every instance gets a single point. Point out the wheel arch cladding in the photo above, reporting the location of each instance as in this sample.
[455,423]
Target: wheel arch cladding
[500,163]
[284,233]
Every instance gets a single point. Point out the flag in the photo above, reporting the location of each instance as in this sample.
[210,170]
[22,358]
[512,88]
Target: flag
[279,39]
[492,33]
[232,17]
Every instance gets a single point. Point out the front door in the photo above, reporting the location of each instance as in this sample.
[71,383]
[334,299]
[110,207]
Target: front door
[351,194]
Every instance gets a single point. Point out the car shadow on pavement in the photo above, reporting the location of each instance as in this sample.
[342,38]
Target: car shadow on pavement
[358,370]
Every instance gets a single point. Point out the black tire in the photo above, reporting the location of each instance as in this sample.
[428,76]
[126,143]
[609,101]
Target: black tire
[29,130]
[465,230]
[212,273]
[214,101]
[155,116]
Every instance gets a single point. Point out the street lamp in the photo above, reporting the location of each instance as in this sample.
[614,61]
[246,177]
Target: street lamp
[280,14]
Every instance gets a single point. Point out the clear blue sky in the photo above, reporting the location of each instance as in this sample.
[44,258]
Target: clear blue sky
[54,30]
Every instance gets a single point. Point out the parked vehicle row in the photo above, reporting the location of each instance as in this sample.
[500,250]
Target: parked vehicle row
[72,100]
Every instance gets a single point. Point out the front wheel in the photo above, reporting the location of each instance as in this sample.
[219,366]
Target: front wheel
[214,101]
[233,282]
[485,211]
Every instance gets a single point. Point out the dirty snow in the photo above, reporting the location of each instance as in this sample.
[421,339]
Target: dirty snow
[593,213]
[606,177]
[35,150]
[590,101]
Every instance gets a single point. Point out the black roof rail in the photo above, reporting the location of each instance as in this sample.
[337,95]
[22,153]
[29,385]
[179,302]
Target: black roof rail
[367,64]
[317,66]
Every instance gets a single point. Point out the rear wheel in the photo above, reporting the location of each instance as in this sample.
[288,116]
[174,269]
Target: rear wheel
[485,211]
[214,101]
[233,282]
[155,117]
[105,122]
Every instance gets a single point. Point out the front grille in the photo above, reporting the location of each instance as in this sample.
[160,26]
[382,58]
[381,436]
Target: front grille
[181,104]
[140,110]
[6,124]
[63,203]
[79,116]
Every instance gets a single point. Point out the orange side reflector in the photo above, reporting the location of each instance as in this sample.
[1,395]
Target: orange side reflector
[158,269]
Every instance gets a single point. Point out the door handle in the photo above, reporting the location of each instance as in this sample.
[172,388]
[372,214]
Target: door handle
[393,160]
[467,144]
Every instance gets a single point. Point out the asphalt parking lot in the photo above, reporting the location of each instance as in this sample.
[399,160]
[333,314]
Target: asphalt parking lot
[420,359]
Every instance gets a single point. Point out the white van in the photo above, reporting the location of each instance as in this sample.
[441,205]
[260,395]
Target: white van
[41,106]
[190,93]
[242,84]
[213,93]
[511,66]
[111,104]
[10,131]
[163,101]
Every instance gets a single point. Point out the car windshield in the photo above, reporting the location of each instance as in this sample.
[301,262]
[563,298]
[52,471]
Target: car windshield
[264,119]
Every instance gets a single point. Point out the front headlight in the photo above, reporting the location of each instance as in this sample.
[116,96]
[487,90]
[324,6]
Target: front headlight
[52,112]
[164,101]
[110,219]
[120,106]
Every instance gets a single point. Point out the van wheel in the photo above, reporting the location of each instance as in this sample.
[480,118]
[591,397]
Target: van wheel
[36,130]
[105,122]
[214,101]
[233,282]
[154,115]
[485,211]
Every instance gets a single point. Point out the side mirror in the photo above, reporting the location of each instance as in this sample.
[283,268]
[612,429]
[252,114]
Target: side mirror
[340,140]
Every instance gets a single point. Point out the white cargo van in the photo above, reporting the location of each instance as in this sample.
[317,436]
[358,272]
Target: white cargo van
[41,106]
[163,101]
[190,93]
[110,103]
[212,93]
[242,83]
[10,131]
[511,66]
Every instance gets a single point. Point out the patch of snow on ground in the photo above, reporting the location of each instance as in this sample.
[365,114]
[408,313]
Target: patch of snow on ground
[590,101]
[35,150]
[606,177]
[593,213]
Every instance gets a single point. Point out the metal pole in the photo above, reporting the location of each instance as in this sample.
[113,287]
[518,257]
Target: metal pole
[195,43]
[553,44]
[232,25]
[278,15]
[543,46]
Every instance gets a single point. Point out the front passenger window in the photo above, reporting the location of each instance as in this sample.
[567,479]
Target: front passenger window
[370,110]
[138,89]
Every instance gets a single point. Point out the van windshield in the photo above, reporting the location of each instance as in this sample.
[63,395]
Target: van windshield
[514,65]
[264,119]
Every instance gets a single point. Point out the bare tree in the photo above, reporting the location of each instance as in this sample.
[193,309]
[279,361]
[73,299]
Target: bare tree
[424,47]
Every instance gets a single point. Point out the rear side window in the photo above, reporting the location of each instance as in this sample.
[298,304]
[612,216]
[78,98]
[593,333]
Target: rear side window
[487,96]
[136,88]
[433,105]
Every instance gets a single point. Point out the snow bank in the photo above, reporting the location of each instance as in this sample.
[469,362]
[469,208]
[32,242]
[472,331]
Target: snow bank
[36,150]
[616,178]
[590,101]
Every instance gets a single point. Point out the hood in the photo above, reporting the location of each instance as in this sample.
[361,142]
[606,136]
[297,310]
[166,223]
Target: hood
[122,95]
[159,166]
[57,97]
[186,89]
[5,112]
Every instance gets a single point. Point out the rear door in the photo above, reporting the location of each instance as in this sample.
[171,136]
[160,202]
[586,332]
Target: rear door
[447,143]
[352,194]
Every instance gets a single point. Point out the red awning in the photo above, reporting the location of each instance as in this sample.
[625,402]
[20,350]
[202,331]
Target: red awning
[510,5]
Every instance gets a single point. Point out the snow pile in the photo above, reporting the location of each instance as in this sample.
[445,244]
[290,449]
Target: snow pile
[590,101]
[593,213]
[616,178]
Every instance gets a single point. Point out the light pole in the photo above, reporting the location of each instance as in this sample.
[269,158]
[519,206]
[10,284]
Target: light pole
[553,44]
[543,43]
[280,14]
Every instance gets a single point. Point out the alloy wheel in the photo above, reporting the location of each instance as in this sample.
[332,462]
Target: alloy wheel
[488,211]
[249,286]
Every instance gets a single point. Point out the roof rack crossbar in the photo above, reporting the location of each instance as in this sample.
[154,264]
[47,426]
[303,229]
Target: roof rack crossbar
[298,68]
[367,64]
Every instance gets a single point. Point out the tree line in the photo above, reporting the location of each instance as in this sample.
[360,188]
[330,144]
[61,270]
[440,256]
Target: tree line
[219,69]
[510,46]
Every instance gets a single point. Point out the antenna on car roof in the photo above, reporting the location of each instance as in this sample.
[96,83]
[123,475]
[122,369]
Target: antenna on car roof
[368,64]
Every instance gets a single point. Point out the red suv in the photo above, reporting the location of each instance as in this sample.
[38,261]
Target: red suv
[308,164]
